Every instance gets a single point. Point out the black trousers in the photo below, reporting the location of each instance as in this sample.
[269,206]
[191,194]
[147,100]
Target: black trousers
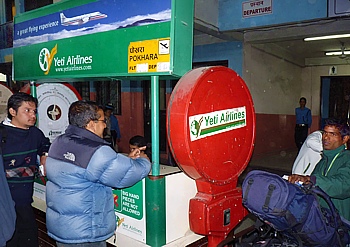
[300,135]
[26,232]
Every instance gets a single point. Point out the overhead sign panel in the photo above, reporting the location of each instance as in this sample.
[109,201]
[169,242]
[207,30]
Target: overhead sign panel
[95,55]
[338,8]
[95,17]
[104,39]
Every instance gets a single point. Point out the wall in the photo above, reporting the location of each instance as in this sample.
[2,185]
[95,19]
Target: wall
[231,51]
[311,81]
[207,12]
[275,86]
[311,85]
[131,119]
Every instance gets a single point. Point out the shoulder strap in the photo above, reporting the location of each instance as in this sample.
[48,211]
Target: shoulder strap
[341,227]
[319,192]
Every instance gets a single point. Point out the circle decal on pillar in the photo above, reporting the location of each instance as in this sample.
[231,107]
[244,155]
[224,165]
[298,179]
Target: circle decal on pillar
[54,112]
[5,94]
[54,101]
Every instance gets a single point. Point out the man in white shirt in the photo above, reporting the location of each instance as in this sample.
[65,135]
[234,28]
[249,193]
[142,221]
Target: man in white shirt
[309,154]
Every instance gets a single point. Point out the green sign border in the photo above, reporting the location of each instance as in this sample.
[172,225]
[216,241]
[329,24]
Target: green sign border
[109,48]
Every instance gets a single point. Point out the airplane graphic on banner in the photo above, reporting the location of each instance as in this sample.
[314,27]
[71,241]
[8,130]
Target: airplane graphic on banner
[81,19]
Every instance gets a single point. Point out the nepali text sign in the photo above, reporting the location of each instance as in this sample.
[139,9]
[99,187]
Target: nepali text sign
[254,8]
[149,56]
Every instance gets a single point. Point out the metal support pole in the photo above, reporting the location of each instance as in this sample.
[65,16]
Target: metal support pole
[155,124]
[155,211]
[32,88]
[33,93]
[155,184]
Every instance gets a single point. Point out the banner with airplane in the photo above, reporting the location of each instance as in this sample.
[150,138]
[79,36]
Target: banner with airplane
[94,17]
[104,38]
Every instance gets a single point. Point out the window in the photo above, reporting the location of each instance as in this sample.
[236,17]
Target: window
[210,63]
[109,92]
[83,87]
[9,4]
[34,4]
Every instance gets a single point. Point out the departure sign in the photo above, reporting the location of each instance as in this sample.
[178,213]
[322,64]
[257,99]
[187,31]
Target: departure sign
[149,56]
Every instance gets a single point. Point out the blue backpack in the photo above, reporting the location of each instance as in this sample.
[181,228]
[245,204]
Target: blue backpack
[294,210]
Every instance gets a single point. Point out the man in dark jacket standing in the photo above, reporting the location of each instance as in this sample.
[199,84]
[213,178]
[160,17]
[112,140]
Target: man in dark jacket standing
[24,142]
[82,169]
[303,123]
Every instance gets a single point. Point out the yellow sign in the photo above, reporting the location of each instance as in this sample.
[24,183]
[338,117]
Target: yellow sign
[149,56]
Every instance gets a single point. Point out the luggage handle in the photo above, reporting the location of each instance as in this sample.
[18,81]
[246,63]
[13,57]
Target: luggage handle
[245,196]
[265,207]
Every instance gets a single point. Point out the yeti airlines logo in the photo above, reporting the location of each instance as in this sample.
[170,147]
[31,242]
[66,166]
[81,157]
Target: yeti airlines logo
[213,123]
[46,58]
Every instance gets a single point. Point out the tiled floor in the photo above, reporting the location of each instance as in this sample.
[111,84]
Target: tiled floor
[280,163]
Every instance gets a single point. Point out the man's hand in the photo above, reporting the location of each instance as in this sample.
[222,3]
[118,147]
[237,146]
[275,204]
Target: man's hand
[137,153]
[295,178]
[43,164]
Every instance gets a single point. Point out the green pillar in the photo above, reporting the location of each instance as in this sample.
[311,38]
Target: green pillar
[155,211]
[33,93]
[33,89]
[155,184]
[155,124]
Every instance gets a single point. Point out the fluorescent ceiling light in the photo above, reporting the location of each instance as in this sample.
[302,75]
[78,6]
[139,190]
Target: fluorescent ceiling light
[337,53]
[337,36]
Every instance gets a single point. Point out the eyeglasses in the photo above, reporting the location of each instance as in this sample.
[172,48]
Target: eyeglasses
[102,120]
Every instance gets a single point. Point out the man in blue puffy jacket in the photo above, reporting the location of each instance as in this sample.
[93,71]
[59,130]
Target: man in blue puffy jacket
[82,169]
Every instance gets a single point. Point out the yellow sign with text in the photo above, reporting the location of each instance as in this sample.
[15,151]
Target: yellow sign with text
[149,56]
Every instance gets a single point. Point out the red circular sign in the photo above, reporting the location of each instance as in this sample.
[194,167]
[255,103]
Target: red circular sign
[211,124]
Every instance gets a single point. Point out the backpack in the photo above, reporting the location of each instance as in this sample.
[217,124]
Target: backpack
[7,206]
[294,210]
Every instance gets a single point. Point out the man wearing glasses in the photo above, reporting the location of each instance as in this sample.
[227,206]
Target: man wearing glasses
[82,169]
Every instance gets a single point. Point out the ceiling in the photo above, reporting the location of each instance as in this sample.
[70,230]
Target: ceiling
[287,41]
